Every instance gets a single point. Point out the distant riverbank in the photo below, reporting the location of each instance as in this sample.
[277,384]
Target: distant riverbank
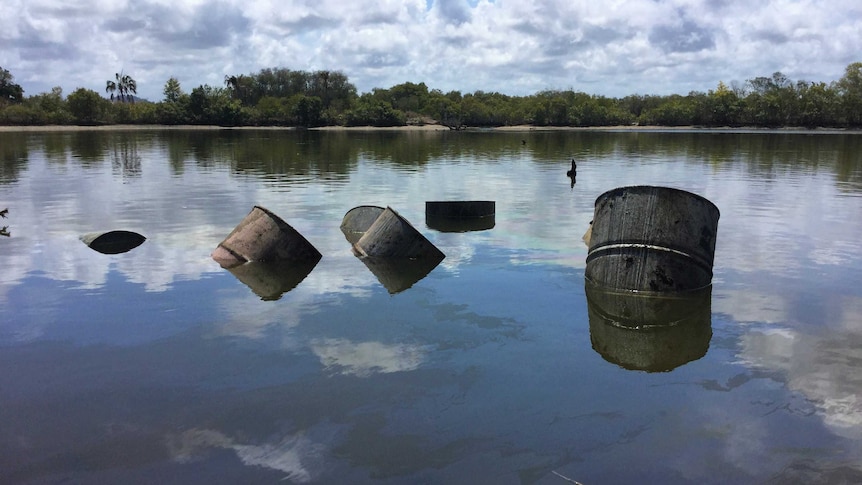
[429,127]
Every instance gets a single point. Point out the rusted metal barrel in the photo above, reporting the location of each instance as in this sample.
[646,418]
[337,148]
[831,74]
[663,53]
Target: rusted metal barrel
[113,242]
[263,236]
[649,332]
[357,220]
[392,236]
[655,239]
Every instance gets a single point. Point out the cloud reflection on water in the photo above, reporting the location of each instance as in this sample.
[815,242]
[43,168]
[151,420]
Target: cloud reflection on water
[363,359]
[320,330]
[295,455]
[819,363]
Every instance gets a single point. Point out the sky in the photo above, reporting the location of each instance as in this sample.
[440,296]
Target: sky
[602,47]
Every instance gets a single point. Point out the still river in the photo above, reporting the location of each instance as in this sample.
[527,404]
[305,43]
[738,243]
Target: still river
[158,366]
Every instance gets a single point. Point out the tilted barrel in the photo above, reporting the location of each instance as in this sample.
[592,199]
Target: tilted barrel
[263,236]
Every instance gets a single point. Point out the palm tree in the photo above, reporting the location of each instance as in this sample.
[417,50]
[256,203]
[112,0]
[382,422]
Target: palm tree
[124,84]
[237,85]
[131,87]
[111,87]
[231,82]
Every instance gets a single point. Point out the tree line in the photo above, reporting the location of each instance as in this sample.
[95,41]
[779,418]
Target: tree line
[284,97]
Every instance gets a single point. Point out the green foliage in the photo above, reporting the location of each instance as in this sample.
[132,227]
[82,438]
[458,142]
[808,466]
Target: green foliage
[282,97]
[850,90]
[173,112]
[331,87]
[406,97]
[675,111]
[721,107]
[172,90]
[214,106]
[87,106]
[307,110]
[272,111]
[818,105]
[41,109]
[20,114]
[9,91]
[372,110]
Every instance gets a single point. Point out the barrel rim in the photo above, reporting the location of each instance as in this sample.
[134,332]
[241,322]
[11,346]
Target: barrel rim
[629,188]
[466,209]
[268,212]
[472,201]
[365,206]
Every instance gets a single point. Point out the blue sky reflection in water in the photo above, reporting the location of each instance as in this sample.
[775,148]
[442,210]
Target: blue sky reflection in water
[158,365]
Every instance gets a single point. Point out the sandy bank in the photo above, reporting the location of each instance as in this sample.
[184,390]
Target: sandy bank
[71,128]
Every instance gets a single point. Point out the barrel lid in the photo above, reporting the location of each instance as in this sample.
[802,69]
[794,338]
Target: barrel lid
[653,188]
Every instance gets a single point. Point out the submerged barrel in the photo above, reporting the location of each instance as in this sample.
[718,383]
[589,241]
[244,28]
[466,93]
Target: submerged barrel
[113,242]
[392,236]
[656,239]
[357,220]
[263,236]
[460,215]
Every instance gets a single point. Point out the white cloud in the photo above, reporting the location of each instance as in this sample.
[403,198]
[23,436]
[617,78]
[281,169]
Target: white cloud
[515,47]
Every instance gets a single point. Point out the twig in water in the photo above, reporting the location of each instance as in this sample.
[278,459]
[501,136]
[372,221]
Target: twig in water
[566,478]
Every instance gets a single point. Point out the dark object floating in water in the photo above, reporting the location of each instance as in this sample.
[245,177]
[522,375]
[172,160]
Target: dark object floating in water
[263,236]
[4,231]
[651,333]
[113,242]
[574,171]
[653,239]
[460,216]
[271,279]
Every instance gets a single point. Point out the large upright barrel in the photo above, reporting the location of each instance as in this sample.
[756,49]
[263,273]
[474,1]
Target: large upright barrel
[646,238]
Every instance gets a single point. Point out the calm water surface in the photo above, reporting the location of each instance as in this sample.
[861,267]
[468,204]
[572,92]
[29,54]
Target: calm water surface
[159,366]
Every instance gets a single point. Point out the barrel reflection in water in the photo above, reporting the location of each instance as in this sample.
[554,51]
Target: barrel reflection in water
[399,274]
[270,280]
[652,333]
